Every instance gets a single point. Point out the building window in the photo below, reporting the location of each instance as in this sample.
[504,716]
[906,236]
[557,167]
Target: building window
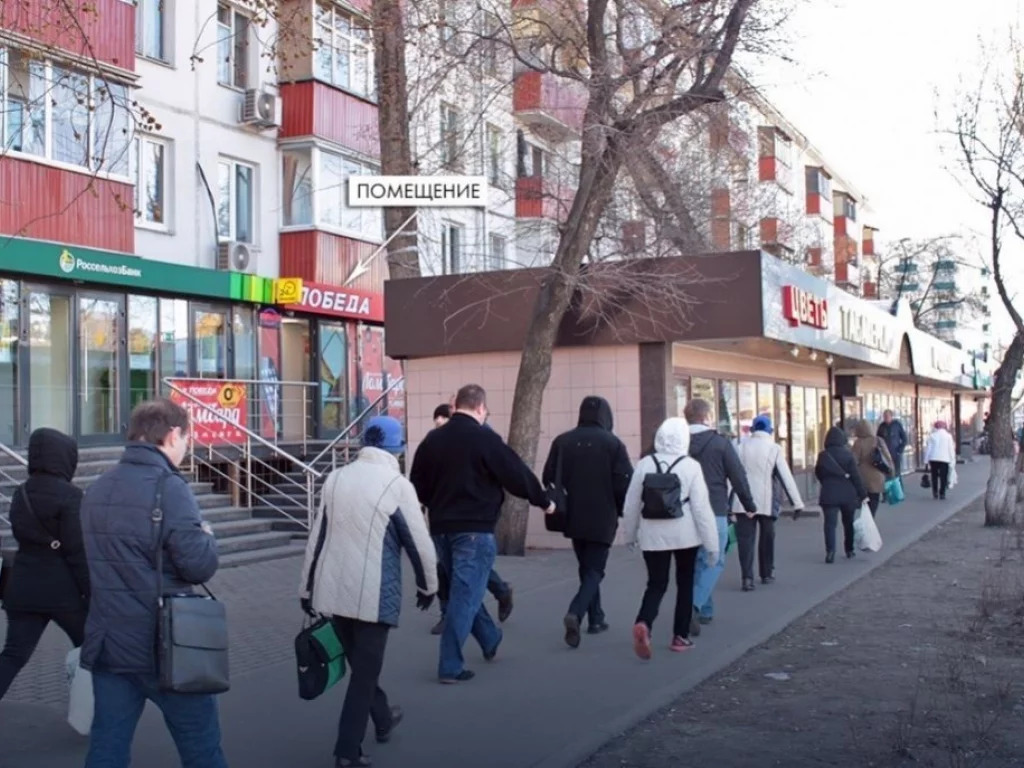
[236,201]
[150,29]
[446,26]
[449,137]
[818,183]
[532,161]
[232,47]
[297,181]
[849,208]
[64,115]
[496,252]
[331,195]
[495,162]
[344,51]
[451,248]
[149,169]
[491,35]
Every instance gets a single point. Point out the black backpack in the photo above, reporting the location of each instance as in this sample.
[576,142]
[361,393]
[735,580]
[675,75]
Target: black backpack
[662,497]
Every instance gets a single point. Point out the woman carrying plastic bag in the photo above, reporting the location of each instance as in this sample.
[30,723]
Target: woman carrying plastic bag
[80,703]
[866,535]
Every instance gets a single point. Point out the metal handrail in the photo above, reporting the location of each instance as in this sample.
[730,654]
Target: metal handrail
[341,435]
[14,455]
[7,476]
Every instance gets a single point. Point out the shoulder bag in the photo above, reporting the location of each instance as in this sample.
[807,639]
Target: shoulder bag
[192,630]
[54,541]
[558,520]
[878,459]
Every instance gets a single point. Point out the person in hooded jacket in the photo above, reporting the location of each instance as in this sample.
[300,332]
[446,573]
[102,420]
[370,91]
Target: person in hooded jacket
[842,490]
[864,448]
[663,541]
[592,467]
[764,461]
[50,578]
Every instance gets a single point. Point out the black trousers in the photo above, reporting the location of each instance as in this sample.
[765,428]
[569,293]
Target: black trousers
[746,534]
[23,633]
[873,501]
[592,558]
[940,478]
[658,566]
[831,515]
[364,645]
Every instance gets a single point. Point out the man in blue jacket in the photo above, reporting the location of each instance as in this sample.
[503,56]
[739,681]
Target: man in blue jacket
[120,633]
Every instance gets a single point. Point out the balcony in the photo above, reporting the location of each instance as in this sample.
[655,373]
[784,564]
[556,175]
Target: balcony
[847,275]
[103,30]
[551,106]
[870,289]
[539,198]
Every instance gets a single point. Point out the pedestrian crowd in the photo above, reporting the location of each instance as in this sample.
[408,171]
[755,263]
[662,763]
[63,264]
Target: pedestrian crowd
[112,567]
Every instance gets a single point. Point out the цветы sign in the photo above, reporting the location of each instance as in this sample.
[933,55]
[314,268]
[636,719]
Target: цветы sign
[802,307]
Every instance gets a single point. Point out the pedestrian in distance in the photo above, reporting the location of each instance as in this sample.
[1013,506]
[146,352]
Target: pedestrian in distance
[677,538]
[940,455]
[722,468]
[592,468]
[767,471]
[50,578]
[120,647]
[461,472]
[865,448]
[891,430]
[497,586]
[842,490]
[368,515]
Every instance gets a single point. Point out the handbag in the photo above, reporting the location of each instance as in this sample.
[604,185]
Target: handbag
[894,491]
[926,480]
[192,630]
[558,520]
[878,460]
[319,657]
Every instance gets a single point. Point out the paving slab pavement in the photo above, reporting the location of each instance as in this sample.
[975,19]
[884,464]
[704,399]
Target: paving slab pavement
[539,705]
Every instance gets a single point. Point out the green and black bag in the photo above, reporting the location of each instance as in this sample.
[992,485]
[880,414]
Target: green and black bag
[320,658]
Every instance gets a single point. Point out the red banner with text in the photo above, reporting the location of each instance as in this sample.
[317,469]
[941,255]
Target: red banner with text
[224,402]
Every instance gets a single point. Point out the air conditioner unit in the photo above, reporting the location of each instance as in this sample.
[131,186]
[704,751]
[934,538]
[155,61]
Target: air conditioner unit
[259,108]
[233,256]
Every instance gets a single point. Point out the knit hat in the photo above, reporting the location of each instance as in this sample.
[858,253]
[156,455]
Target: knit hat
[384,432]
[940,424]
[762,423]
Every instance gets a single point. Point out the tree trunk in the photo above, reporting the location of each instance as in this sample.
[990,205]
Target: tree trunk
[393,127]
[1001,492]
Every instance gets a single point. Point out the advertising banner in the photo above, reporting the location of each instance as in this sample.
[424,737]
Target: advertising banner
[225,400]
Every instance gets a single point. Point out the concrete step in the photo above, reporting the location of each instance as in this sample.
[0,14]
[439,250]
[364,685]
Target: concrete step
[240,527]
[253,541]
[225,514]
[235,559]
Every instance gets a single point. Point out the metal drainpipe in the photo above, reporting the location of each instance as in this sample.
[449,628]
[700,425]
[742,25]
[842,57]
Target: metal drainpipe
[482,138]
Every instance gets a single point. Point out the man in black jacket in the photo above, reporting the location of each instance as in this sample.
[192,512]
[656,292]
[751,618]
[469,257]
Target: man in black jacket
[722,468]
[592,467]
[120,633]
[895,436]
[461,471]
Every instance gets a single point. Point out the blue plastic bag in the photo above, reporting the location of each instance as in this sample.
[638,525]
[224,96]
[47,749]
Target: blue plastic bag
[894,491]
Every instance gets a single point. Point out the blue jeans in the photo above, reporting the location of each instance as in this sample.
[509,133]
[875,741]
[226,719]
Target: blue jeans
[118,704]
[496,585]
[468,559]
[706,576]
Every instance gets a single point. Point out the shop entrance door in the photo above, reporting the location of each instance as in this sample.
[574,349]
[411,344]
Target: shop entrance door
[48,348]
[334,371]
[101,368]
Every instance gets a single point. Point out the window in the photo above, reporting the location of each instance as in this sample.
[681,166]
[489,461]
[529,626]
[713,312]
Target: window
[297,180]
[491,35]
[818,183]
[64,115]
[849,208]
[344,51]
[532,161]
[331,196]
[496,254]
[236,201]
[449,136]
[451,248]
[149,168]
[445,26]
[495,162]
[149,29]
[232,47]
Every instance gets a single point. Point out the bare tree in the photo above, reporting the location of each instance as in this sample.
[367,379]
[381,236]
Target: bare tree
[988,134]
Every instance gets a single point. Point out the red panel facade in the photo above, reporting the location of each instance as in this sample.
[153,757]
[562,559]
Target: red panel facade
[94,29]
[540,199]
[552,95]
[721,215]
[310,108]
[814,204]
[766,168]
[52,204]
[322,257]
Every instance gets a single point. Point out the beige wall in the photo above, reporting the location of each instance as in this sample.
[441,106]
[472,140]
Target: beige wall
[695,361]
[885,386]
[611,372]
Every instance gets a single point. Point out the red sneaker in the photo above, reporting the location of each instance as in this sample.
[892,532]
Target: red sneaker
[680,644]
[642,640]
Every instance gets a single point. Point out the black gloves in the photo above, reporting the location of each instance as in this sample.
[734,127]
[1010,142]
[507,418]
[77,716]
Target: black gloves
[423,602]
[307,607]
[796,514]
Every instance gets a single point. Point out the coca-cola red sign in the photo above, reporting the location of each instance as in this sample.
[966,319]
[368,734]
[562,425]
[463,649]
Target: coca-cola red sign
[212,406]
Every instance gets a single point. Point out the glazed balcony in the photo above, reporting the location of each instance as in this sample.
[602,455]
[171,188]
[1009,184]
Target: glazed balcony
[538,198]
[551,106]
[103,30]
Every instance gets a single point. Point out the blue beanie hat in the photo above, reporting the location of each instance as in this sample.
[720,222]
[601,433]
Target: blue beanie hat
[762,423]
[384,432]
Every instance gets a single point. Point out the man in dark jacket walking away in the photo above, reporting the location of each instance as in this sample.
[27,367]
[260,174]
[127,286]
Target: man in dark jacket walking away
[842,490]
[895,436]
[592,467]
[120,634]
[50,579]
[460,472]
[722,468]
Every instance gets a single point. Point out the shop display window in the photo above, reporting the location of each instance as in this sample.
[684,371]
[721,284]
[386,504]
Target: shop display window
[143,345]
[747,391]
[798,415]
[704,389]
[728,409]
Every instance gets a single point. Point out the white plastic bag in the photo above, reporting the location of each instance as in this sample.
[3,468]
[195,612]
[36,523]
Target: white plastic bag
[952,476]
[865,532]
[80,704]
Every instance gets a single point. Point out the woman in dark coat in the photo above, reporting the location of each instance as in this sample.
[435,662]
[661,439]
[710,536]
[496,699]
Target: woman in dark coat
[842,490]
[50,578]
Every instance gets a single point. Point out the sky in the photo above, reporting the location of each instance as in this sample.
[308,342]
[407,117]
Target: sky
[868,79]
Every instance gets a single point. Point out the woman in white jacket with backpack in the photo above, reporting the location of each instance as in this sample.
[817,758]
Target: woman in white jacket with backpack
[668,531]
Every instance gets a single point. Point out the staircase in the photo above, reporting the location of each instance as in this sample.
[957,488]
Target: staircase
[242,536]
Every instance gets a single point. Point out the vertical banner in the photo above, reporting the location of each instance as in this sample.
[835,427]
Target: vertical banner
[270,367]
[371,365]
[224,401]
[396,397]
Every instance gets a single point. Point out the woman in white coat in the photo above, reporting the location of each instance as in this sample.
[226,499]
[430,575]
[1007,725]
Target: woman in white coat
[665,540]
[764,462]
[940,455]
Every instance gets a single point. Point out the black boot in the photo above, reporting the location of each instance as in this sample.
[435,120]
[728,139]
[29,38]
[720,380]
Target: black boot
[830,557]
[384,736]
[748,585]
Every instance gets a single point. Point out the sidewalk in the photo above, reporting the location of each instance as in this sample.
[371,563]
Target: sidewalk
[539,704]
